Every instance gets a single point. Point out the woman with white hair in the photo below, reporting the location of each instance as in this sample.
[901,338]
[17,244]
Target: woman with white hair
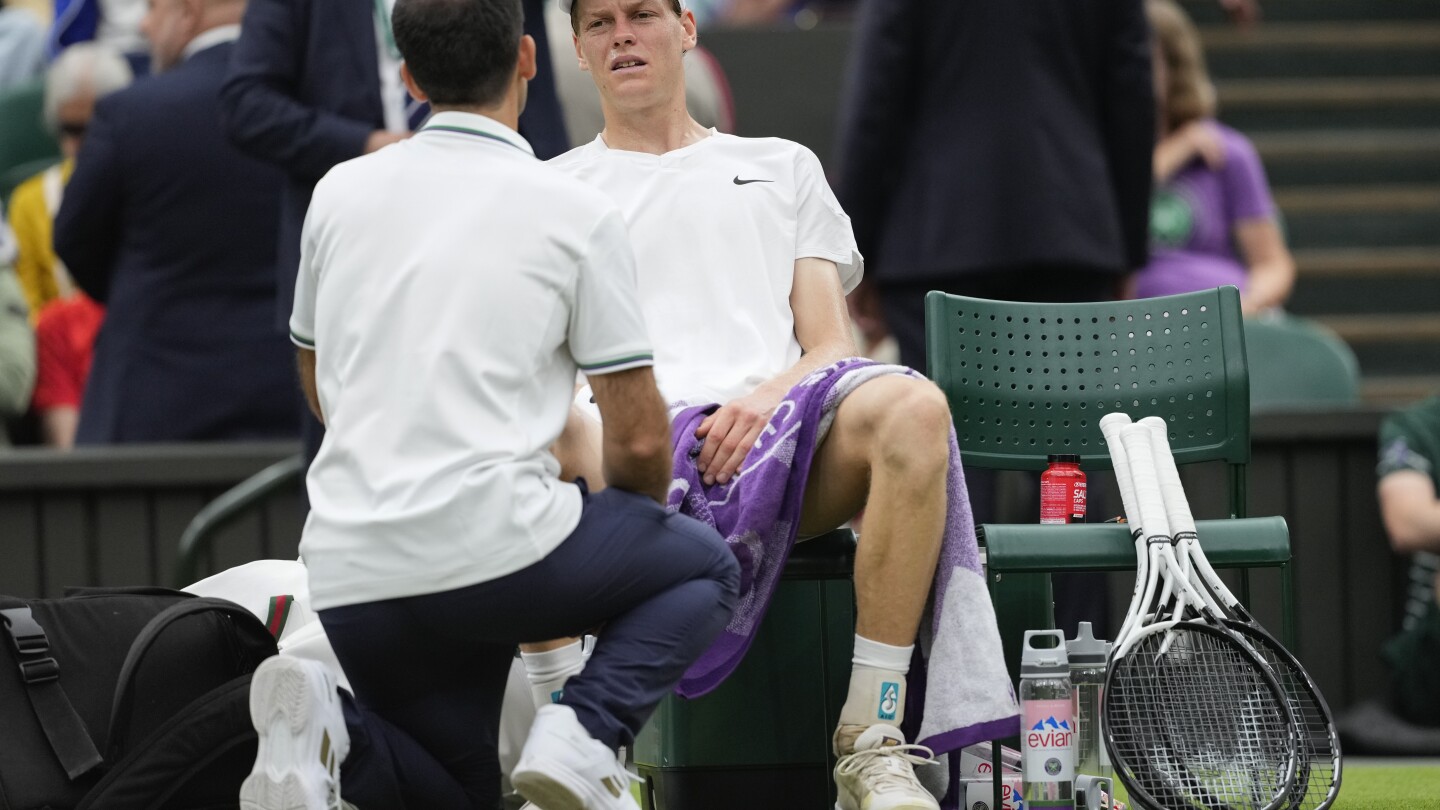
[82,74]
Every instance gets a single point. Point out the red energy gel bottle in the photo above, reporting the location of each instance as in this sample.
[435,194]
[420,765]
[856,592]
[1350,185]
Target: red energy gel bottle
[1062,490]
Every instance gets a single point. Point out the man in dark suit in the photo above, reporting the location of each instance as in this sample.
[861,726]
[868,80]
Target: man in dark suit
[997,149]
[173,229]
[1001,150]
[316,82]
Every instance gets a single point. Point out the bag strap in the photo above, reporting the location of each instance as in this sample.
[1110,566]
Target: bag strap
[63,727]
[122,709]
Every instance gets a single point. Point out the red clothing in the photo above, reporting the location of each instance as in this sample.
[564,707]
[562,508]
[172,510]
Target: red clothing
[64,345]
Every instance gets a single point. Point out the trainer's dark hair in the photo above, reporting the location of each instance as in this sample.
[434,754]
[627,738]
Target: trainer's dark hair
[575,13]
[462,53]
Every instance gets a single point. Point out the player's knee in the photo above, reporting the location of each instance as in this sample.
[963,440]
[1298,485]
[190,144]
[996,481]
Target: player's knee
[915,429]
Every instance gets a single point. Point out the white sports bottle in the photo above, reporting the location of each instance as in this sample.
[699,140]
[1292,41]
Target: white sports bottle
[1047,722]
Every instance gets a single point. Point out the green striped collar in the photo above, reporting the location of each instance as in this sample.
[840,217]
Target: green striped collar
[476,125]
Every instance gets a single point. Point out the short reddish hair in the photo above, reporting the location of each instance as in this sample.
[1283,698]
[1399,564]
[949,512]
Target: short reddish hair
[575,13]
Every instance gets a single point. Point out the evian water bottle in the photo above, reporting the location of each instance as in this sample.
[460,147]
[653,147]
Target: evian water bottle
[1047,717]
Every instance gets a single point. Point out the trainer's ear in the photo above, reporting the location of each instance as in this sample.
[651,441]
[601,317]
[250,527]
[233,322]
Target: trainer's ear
[525,65]
[410,85]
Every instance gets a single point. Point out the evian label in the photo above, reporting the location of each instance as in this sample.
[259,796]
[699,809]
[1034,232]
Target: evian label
[1047,741]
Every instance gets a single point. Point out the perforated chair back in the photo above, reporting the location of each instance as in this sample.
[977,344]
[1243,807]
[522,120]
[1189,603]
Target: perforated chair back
[1025,380]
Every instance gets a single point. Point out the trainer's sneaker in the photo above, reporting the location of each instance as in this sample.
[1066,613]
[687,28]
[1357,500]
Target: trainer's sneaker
[563,768]
[303,740]
[879,773]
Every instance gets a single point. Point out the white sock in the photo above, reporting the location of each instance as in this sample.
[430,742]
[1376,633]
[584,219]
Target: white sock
[877,684]
[548,671]
[875,655]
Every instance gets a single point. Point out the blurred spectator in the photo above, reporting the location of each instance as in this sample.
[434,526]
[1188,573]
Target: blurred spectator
[316,82]
[174,229]
[115,23]
[707,93]
[17,342]
[1409,473]
[64,347]
[22,45]
[1212,221]
[75,81]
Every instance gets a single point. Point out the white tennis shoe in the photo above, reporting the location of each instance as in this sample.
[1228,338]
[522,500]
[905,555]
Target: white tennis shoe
[303,740]
[563,768]
[880,773]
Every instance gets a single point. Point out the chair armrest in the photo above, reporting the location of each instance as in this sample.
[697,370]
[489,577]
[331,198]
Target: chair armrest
[1033,548]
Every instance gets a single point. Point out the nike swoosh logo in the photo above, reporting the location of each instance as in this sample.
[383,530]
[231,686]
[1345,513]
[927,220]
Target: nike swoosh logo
[740,182]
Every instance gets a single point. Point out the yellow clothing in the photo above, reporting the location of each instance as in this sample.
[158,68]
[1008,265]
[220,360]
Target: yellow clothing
[42,276]
[44,10]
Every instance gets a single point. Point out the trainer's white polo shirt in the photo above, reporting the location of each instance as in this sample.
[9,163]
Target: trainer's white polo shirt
[717,227]
[451,285]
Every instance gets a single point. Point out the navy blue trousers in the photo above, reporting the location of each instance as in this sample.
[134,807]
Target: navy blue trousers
[429,671]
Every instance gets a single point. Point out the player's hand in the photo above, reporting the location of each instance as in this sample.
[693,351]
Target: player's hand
[731,431]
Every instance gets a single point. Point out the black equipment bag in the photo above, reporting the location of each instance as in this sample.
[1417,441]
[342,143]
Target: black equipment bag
[126,698]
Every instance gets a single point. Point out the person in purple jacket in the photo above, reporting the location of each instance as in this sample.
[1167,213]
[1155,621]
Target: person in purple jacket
[1212,221]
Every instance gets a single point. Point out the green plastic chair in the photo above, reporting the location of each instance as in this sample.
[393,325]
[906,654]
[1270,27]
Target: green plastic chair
[1025,380]
[23,137]
[765,732]
[1296,363]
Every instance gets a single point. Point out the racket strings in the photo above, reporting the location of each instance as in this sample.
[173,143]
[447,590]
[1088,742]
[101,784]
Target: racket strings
[1198,724]
[1317,749]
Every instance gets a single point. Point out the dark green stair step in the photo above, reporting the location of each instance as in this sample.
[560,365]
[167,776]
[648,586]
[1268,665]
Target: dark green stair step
[1319,157]
[1257,105]
[1277,11]
[1361,216]
[1323,49]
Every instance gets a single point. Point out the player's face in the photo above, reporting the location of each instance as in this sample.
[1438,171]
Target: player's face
[634,48]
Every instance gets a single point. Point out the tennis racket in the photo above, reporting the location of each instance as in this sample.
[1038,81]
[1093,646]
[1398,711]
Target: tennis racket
[1318,773]
[1191,717]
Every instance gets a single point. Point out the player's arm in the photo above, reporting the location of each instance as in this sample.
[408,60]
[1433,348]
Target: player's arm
[822,327]
[1410,511]
[636,448]
[305,360]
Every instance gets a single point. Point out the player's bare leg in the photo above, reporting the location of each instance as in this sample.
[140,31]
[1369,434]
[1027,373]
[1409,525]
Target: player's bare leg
[887,451]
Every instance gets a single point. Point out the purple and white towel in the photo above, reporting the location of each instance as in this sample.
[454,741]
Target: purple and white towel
[960,693]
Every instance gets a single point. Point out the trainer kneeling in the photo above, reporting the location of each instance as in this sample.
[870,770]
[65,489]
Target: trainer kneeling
[449,287]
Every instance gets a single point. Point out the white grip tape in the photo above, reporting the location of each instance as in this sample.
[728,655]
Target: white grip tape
[1111,426]
[1142,476]
[1177,510]
[1177,507]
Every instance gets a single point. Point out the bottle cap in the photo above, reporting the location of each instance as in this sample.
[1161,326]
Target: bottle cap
[1085,649]
[1044,660]
[1064,458]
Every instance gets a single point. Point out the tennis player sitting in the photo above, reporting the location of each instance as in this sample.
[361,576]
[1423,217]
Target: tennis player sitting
[744,258]
[449,288]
